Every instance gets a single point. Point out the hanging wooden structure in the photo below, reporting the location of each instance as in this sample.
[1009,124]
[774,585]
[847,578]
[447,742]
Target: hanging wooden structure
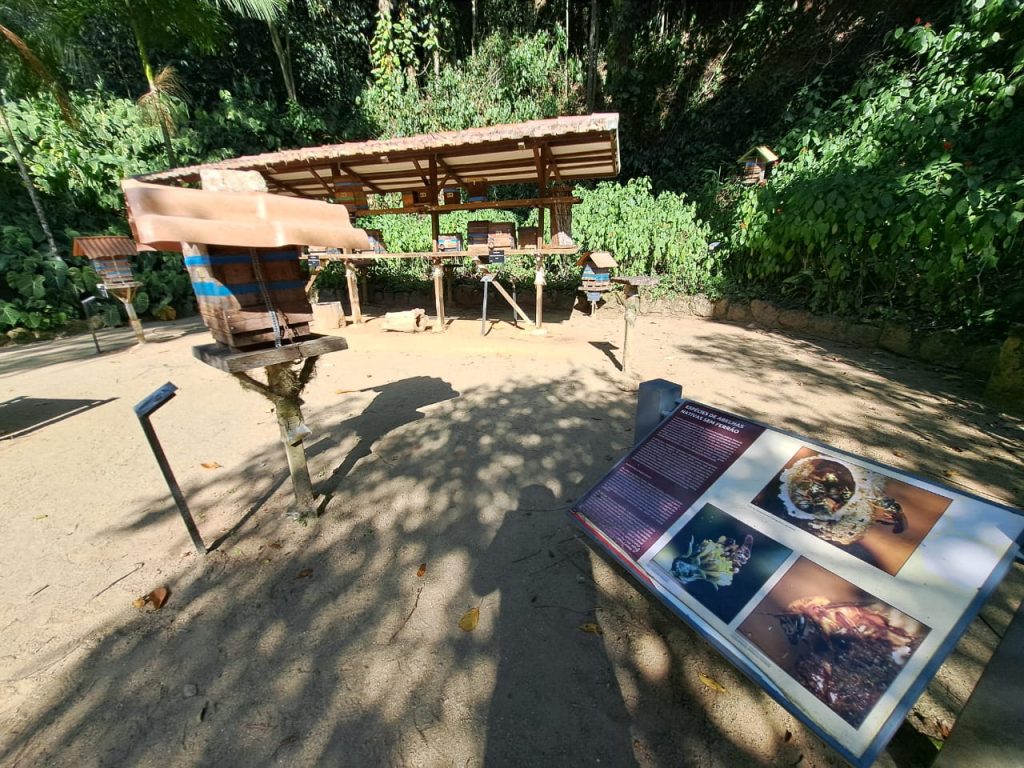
[110,256]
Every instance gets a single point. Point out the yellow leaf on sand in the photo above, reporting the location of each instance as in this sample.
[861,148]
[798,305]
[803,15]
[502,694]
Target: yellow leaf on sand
[139,602]
[211,465]
[711,683]
[421,570]
[592,628]
[469,620]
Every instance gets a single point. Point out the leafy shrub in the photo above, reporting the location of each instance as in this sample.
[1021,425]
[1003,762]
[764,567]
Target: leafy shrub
[647,234]
[907,192]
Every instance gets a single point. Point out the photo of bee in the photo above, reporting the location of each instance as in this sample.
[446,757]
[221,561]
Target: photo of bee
[874,517]
[839,642]
[717,560]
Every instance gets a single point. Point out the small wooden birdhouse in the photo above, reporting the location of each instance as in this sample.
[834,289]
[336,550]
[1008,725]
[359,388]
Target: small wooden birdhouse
[110,257]
[757,165]
[597,273]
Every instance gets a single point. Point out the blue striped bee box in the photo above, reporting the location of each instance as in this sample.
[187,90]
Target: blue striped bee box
[249,297]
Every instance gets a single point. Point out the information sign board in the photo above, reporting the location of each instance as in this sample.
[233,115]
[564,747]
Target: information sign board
[837,584]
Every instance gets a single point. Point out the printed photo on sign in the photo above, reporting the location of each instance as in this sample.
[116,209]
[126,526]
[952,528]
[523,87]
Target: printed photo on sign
[842,644]
[718,561]
[874,517]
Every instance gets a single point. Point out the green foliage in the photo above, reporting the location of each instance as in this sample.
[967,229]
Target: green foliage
[647,233]
[508,80]
[908,192]
[37,292]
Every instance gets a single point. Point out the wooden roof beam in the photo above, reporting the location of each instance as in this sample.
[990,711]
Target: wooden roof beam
[361,179]
[327,187]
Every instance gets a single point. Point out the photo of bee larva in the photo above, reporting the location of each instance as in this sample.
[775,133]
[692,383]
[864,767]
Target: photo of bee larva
[874,517]
[839,642]
[718,560]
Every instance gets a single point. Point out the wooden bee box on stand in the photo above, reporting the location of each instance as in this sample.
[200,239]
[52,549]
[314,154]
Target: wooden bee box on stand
[250,296]
[242,253]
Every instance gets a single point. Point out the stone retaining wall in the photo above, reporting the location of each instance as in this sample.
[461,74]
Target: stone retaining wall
[1001,365]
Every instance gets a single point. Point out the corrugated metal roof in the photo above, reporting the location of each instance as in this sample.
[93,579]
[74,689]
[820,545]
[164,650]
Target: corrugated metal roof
[571,148]
[103,246]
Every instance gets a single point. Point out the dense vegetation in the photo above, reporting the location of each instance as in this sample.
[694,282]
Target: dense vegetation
[899,191]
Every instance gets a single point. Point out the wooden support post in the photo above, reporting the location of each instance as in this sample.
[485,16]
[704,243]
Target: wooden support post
[539,283]
[364,285]
[283,388]
[632,309]
[631,289]
[438,274]
[136,324]
[351,280]
[449,281]
[512,302]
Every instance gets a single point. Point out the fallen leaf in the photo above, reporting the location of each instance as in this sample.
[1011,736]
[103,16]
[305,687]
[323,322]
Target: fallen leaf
[343,391]
[274,545]
[210,465]
[711,683]
[898,453]
[158,597]
[40,517]
[305,573]
[592,628]
[421,570]
[469,620]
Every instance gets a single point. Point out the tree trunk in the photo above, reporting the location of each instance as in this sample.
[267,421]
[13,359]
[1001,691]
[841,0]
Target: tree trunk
[284,60]
[472,38]
[147,70]
[29,187]
[592,58]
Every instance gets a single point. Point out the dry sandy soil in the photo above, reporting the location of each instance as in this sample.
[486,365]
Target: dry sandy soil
[321,645]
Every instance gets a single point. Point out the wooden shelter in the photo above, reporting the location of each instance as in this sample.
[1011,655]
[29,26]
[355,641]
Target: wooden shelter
[551,154]
[110,256]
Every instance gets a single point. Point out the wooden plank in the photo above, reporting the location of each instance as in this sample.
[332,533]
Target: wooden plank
[515,307]
[225,359]
[530,202]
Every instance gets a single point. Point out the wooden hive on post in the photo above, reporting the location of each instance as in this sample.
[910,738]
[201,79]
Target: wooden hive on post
[242,253]
[110,257]
[757,165]
[597,273]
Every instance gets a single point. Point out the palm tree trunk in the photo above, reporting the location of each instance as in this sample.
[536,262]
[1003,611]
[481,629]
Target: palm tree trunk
[592,58]
[284,61]
[27,181]
[147,70]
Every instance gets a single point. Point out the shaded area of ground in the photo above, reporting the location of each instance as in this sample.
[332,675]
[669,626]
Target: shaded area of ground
[322,645]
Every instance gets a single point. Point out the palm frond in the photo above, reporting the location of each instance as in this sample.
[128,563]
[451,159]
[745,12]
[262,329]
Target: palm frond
[164,104]
[41,71]
[264,10]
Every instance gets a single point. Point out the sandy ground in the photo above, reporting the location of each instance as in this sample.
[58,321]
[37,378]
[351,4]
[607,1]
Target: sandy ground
[321,645]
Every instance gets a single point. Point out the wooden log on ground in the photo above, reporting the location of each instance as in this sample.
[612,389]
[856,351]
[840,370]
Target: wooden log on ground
[410,321]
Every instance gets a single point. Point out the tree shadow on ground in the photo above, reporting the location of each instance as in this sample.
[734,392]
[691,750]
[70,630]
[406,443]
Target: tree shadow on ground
[323,645]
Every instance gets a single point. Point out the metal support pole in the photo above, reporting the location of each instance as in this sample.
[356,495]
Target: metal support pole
[655,400]
[144,409]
